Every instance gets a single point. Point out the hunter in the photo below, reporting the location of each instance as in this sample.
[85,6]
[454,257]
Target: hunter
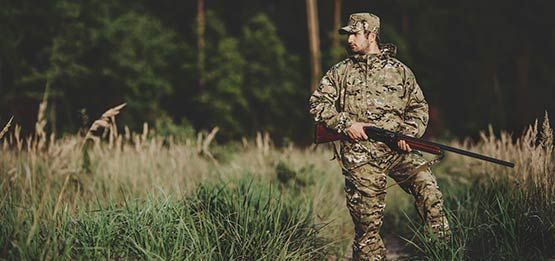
[371,87]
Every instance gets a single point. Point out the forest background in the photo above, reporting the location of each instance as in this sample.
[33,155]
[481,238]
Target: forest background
[246,66]
[158,185]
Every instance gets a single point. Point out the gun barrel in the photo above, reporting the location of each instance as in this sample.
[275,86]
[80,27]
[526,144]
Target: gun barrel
[459,151]
[478,156]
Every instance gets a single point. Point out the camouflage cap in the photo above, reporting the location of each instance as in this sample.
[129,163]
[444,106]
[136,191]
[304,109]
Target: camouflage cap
[361,21]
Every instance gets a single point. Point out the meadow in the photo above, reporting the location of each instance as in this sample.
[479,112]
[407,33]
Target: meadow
[104,194]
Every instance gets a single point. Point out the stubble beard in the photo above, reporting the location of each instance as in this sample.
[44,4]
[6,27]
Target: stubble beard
[359,50]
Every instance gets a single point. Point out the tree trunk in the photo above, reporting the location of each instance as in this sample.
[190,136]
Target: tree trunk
[201,28]
[336,23]
[314,43]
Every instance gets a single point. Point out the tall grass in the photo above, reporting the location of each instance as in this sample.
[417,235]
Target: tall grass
[148,197]
[504,213]
[143,196]
[243,220]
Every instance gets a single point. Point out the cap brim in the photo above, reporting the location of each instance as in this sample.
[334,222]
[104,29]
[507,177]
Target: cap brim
[347,30]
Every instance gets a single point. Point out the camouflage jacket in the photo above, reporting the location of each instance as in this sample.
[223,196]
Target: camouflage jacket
[372,88]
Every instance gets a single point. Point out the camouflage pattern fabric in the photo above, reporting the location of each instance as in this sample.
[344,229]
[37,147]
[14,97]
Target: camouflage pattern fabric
[365,187]
[423,187]
[361,21]
[376,89]
[380,90]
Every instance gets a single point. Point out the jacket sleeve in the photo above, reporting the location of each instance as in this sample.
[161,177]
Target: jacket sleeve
[323,102]
[415,116]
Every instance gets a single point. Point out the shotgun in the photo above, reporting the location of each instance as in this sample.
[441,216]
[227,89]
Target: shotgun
[324,134]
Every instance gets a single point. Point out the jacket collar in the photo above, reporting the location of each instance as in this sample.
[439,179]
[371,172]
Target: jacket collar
[387,50]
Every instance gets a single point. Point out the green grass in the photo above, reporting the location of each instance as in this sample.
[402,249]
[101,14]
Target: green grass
[264,218]
[240,220]
[491,221]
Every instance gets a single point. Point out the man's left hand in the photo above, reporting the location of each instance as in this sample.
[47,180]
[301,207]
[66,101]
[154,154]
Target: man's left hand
[404,146]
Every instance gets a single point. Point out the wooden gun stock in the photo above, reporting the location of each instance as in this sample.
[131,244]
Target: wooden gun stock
[322,134]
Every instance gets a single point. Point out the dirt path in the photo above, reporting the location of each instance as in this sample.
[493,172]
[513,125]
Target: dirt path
[395,248]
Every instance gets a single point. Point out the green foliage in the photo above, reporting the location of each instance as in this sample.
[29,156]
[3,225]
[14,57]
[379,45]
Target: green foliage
[240,220]
[223,103]
[165,127]
[142,50]
[252,82]
[94,54]
[100,55]
[492,222]
[291,178]
[271,79]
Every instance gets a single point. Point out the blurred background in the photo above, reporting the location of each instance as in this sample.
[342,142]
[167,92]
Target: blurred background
[249,65]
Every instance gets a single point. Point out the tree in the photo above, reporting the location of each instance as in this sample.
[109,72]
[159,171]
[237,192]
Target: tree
[100,56]
[336,50]
[314,43]
[223,103]
[272,80]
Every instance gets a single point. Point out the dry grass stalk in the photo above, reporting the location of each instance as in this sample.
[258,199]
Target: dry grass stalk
[5,129]
[106,121]
[119,143]
[40,134]
[41,119]
[245,142]
[127,133]
[206,144]
[59,200]
[113,132]
[145,132]
[17,137]
[532,153]
[267,143]
[263,142]
[199,142]
[137,142]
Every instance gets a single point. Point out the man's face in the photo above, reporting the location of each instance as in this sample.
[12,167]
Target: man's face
[359,42]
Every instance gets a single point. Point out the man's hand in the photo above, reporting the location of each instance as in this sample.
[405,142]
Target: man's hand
[404,146]
[356,131]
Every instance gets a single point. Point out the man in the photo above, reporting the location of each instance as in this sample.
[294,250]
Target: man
[373,88]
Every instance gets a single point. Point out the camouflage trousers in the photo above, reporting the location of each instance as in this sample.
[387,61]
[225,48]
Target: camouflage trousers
[365,187]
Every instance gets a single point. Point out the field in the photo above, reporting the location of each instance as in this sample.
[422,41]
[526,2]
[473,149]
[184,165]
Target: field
[109,195]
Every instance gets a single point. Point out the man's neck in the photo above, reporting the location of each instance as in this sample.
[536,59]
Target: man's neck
[372,49]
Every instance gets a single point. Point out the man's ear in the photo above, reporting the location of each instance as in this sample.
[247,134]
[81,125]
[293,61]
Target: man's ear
[372,37]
